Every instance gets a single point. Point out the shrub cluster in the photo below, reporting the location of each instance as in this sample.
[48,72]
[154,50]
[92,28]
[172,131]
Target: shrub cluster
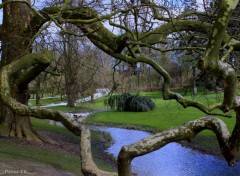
[129,102]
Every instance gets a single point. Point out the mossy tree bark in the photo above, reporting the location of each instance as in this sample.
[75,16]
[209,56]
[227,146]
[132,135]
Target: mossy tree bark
[88,166]
[16,41]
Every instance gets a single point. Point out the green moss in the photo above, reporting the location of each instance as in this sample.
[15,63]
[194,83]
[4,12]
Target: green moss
[79,13]
[50,10]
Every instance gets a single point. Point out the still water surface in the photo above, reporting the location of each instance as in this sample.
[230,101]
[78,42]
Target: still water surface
[171,160]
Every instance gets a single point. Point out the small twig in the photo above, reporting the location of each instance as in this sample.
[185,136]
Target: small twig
[227,53]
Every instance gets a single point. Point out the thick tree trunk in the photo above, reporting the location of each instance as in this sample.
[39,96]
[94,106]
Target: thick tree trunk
[13,125]
[70,77]
[70,96]
[15,44]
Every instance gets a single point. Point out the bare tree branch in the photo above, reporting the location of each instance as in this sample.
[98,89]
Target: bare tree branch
[184,132]
[7,71]
[211,62]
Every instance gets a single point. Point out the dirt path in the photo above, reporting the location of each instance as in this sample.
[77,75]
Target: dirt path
[24,168]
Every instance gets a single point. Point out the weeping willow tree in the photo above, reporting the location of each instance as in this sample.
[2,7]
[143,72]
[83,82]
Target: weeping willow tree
[22,23]
[129,102]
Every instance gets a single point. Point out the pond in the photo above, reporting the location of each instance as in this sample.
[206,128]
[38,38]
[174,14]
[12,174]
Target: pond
[171,160]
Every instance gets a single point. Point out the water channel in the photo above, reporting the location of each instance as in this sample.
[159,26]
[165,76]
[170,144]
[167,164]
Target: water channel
[171,160]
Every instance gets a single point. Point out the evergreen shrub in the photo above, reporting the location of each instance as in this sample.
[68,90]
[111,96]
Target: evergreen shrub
[129,102]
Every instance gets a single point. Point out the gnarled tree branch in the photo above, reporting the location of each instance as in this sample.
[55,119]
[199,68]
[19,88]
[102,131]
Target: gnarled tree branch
[37,61]
[212,63]
[184,132]
[26,61]
[88,166]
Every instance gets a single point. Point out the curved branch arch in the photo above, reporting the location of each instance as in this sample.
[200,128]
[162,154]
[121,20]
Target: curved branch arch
[184,132]
[41,59]
[26,61]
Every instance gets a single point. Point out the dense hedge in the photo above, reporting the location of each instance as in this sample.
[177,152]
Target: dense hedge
[129,102]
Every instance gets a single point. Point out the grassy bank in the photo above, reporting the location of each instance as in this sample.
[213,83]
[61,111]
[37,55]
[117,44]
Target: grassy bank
[11,149]
[167,114]
[64,156]
[98,138]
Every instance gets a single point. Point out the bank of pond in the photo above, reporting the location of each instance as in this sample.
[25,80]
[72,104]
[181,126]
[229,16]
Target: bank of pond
[171,160]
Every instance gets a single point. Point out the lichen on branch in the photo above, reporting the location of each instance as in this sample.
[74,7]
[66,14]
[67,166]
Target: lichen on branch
[184,132]
[212,63]
[25,62]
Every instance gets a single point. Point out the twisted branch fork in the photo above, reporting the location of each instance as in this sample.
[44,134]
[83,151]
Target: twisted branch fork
[44,58]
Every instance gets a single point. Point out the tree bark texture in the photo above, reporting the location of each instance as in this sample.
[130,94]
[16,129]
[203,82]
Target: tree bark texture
[15,44]
[229,144]
[88,166]
[69,70]
[40,60]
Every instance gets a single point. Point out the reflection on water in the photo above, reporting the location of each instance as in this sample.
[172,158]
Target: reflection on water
[171,160]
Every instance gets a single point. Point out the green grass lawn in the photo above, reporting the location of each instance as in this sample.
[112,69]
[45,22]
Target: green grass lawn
[167,114]
[13,149]
[19,150]
[44,125]
[50,100]
[96,104]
